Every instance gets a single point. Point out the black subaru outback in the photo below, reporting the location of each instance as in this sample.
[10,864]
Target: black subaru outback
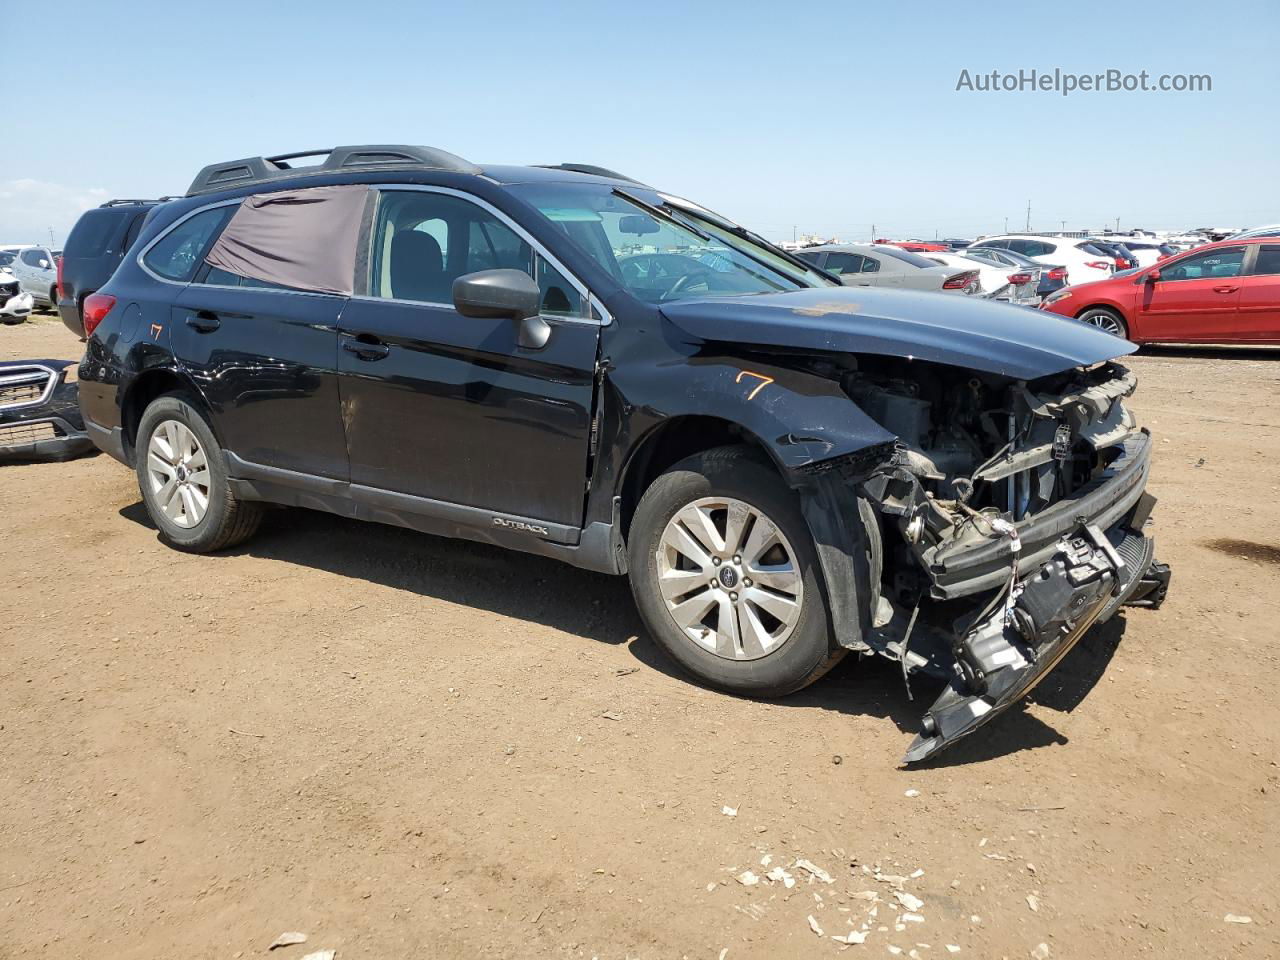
[564,361]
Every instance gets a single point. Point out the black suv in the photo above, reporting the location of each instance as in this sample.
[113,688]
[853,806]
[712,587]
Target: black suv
[95,247]
[564,361]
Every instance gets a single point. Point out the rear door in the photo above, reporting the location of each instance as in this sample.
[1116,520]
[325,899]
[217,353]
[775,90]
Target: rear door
[1196,298]
[445,414]
[1259,306]
[262,355]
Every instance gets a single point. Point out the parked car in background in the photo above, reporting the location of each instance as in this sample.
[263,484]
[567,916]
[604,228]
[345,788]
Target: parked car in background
[94,249]
[1083,265]
[37,272]
[786,470]
[919,246]
[995,282]
[1147,252]
[956,243]
[15,305]
[1227,292]
[1122,257]
[1053,276]
[1273,230]
[882,265]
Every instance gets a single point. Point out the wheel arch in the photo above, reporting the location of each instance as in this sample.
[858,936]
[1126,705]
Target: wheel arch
[145,388]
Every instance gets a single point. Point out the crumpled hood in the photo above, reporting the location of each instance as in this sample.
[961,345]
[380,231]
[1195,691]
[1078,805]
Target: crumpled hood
[960,331]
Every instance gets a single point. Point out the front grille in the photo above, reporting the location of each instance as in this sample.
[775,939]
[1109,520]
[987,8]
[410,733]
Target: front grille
[20,433]
[23,385]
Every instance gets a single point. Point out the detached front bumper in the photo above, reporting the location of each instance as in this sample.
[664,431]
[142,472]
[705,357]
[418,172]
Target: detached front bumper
[40,412]
[1087,577]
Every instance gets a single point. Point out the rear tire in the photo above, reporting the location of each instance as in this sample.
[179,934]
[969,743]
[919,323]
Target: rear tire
[183,479]
[1106,320]
[766,637]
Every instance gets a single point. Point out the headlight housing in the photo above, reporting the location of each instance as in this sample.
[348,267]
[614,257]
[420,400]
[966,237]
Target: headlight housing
[1056,296]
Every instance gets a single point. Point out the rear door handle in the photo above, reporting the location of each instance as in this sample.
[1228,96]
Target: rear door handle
[204,322]
[369,348]
[1225,289]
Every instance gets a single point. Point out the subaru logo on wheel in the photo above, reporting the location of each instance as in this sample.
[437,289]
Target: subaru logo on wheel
[728,577]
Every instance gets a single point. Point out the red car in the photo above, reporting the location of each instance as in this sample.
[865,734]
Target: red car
[1226,292]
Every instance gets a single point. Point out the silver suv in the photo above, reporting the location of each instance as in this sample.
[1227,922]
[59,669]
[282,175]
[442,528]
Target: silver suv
[37,271]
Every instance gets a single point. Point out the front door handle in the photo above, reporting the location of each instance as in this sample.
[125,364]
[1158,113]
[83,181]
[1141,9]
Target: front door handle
[366,347]
[1225,289]
[204,322]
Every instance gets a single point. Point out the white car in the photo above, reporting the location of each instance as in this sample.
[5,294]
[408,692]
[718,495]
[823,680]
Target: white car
[994,282]
[36,268]
[1271,230]
[1083,265]
[15,305]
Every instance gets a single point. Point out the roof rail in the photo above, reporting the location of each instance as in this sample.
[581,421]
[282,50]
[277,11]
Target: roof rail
[238,173]
[127,203]
[590,169]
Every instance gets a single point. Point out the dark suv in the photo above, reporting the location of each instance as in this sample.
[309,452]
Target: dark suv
[95,247]
[564,361]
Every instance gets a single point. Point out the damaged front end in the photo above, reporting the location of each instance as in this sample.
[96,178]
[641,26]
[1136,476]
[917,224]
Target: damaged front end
[1008,520]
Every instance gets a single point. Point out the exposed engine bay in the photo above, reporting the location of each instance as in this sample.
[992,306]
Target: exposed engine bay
[1007,522]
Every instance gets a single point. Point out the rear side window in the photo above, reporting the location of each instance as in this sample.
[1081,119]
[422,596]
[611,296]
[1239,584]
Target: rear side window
[1268,259]
[841,263]
[92,232]
[180,252]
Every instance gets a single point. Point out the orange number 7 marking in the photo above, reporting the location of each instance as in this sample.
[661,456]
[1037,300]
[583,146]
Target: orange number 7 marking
[764,381]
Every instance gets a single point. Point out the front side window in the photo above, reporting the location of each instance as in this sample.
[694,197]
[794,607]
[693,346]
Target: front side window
[1209,265]
[697,258]
[1268,259]
[424,241]
[180,252]
[32,258]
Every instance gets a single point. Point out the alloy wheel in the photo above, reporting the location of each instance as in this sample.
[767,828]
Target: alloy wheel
[178,473]
[1105,321]
[729,578]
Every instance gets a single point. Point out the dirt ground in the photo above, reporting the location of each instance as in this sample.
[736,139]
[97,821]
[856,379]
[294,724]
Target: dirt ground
[412,747]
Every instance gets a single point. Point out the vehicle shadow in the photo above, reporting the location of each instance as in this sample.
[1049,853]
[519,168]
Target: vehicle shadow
[1240,352]
[600,608]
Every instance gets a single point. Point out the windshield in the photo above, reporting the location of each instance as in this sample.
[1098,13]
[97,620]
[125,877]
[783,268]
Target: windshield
[659,253]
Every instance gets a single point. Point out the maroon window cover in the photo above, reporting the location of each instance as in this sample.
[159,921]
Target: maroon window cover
[305,239]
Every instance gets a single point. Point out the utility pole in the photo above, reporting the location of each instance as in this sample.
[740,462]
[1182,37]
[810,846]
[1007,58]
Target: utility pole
[1028,216]
[1006,224]
[793,233]
[51,244]
[1117,224]
[1064,225]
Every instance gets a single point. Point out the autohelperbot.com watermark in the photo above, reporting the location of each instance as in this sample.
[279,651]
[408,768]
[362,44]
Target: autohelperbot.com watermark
[1066,83]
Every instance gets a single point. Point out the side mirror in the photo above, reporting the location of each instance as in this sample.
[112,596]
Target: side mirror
[512,294]
[1153,276]
[496,293]
[44,264]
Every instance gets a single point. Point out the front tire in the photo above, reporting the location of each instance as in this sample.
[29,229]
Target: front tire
[183,479]
[726,577]
[1106,320]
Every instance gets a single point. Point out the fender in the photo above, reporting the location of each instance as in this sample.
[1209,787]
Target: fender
[803,420]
